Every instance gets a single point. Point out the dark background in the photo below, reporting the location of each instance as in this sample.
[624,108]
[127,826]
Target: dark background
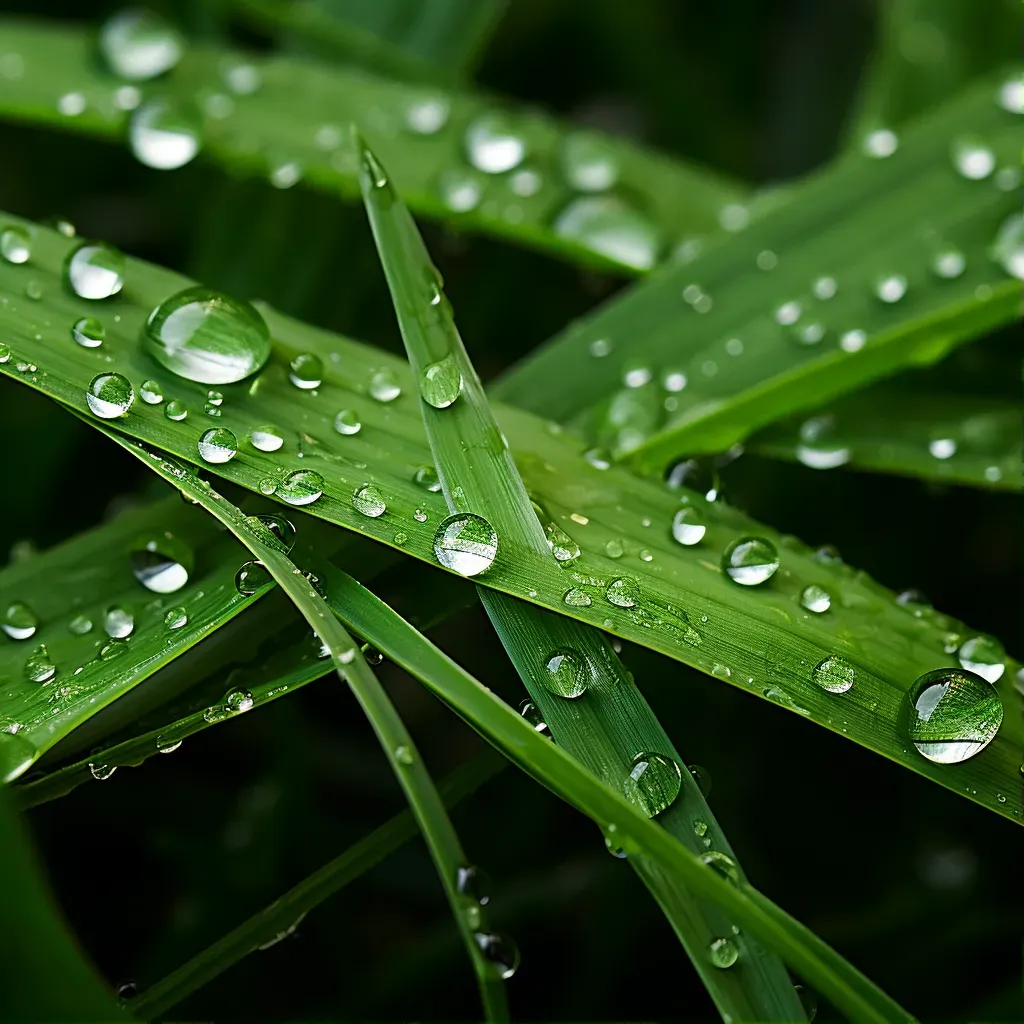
[918,887]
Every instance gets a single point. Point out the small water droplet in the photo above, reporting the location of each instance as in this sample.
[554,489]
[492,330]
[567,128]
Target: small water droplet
[815,599]
[702,777]
[161,564]
[109,395]
[465,543]
[750,560]
[493,145]
[403,755]
[984,656]
[427,114]
[723,953]
[819,447]
[151,392]
[175,410]
[566,674]
[942,448]
[39,668]
[880,143]
[610,227]
[138,44]
[176,617]
[306,371]
[834,674]
[653,783]
[95,271]
[788,313]
[824,288]
[5,352]
[688,526]
[891,287]
[948,263]
[853,341]
[368,501]
[113,649]
[384,386]
[301,487]
[577,598]
[441,383]
[973,159]
[267,437]
[163,134]
[427,478]
[473,883]
[722,864]
[102,772]
[19,622]
[614,548]
[1008,248]
[217,445]
[500,951]
[623,592]
[71,104]
[118,622]
[252,577]
[460,190]
[588,162]
[698,474]
[532,714]
[15,245]
[80,625]
[347,422]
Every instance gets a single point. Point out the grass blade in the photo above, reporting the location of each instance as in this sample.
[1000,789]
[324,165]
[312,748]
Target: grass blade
[761,639]
[882,264]
[611,724]
[297,113]
[275,920]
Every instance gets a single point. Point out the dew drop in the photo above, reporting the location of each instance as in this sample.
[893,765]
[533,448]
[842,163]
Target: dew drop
[722,864]
[891,287]
[750,561]
[19,622]
[460,190]
[815,599]
[441,383]
[566,674]
[881,143]
[15,245]
[403,755]
[102,772]
[368,501]
[492,144]
[302,487]
[239,700]
[623,592]
[610,227]
[217,445]
[688,526]
[574,597]
[151,392]
[818,447]
[427,114]
[95,271]
[175,410]
[384,386]
[109,395]
[267,437]
[38,666]
[164,135]
[973,159]
[252,577]
[465,543]
[698,475]
[948,263]
[824,288]
[532,714]
[118,622]
[306,371]
[942,448]
[500,952]
[723,953]
[176,617]
[80,625]
[984,656]
[161,564]
[427,478]
[653,783]
[138,44]
[834,674]
[853,341]
[347,422]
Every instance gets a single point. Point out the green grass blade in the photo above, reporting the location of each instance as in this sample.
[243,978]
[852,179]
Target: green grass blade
[275,920]
[610,723]
[760,639]
[300,102]
[703,342]
[852,993]
[896,428]
[398,746]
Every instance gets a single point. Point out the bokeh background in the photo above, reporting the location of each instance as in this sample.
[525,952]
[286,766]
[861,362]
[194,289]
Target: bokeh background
[919,888]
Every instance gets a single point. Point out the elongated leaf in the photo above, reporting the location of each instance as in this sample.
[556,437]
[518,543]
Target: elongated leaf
[877,264]
[893,428]
[761,639]
[263,135]
[596,713]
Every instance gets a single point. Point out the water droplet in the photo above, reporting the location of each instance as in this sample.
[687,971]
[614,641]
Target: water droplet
[306,371]
[1008,248]
[834,674]
[95,271]
[942,448]
[824,288]
[951,715]
[113,649]
[19,622]
[420,516]
[722,864]
[788,313]
[460,190]
[853,341]
[5,352]
[623,592]
[492,144]
[973,159]
[809,333]
[118,622]
[567,674]
[532,714]
[274,530]
[588,162]
[267,437]
[176,617]
[138,44]
[700,475]
[15,245]
[161,564]
[175,410]
[441,383]
[109,395]
[347,422]
[80,625]
[818,447]
[102,772]
[251,577]
[815,598]
[948,263]
[34,290]
[576,598]
[608,226]
[427,478]
[151,392]
[702,777]
[891,287]
[217,445]
[733,217]
[207,336]
[16,753]
[38,666]
[750,560]
[239,700]
[384,386]
[500,951]
[302,487]
[164,135]
[473,883]
[984,656]
[653,783]
[427,114]
[688,526]
[368,501]
[723,953]
[880,143]
[71,104]
[466,544]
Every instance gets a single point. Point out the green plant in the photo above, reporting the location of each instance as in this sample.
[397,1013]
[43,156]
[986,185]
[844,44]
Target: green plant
[825,323]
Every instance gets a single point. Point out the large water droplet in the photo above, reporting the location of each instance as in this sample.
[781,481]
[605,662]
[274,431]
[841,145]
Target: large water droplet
[109,395]
[723,953]
[95,271]
[306,371]
[252,577]
[984,656]
[500,951]
[207,336]
[608,226]
[815,599]
[217,445]
[164,135]
[973,159]
[652,783]
[588,163]
[951,715]
[15,245]
[302,487]
[441,383]
[384,386]
[19,622]
[1008,248]
[750,560]
[819,447]
[368,501]
[466,544]
[267,437]
[138,44]
[688,526]
[118,622]
[834,674]
[566,674]
[493,145]
[162,564]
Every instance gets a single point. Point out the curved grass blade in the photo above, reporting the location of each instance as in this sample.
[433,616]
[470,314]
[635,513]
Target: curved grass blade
[893,428]
[597,712]
[839,982]
[761,639]
[275,921]
[875,265]
[289,130]
[398,746]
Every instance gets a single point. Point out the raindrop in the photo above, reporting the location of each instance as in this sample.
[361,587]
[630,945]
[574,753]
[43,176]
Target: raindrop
[441,383]
[384,386]
[597,457]
[151,392]
[688,526]
[427,114]
[112,650]
[815,598]
[266,437]
[347,422]
[588,163]
[274,530]
[600,347]
[162,564]
[636,376]
[15,245]
[880,143]
[420,516]
[368,501]
[492,144]
[138,44]
[623,592]
[653,783]
[984,656]
[1008,249]
[500,951]
[109,395]
[252,577]
[163,135]
[948,263]
[891,287]
[175,410]
[723,953]
[207,336]
[951,715]
[608,226]
[750,560]
[566,674]
[914,600]
[95,271]
[466,544]
[834,674]
[34,290]
[973,159]
[306,371]
[217,445]
[19,622]
[576,598]
[5,352]
[301,487]
[810,333]
[118,622]
[176,617]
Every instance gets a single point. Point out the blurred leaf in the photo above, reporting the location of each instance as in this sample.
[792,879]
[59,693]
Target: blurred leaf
[875,265]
